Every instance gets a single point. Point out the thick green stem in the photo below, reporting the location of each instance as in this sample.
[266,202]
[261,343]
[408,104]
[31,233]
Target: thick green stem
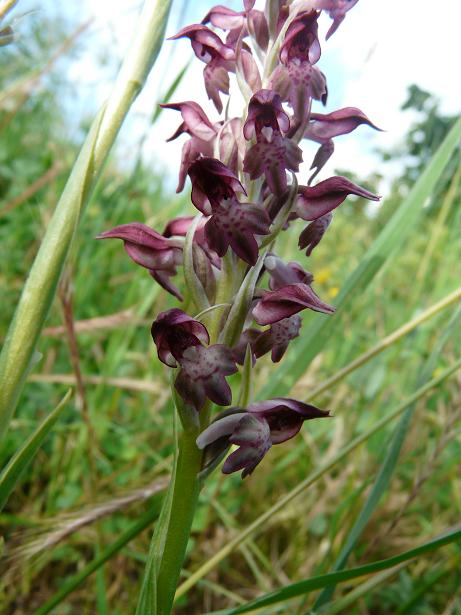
[186,489]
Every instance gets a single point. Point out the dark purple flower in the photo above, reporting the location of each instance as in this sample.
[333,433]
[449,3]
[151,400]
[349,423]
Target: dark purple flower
[159,254]
[265,116]
[235,224]
[173,332]
[297,79]
[218,57]
[337,10]
[256,429]
[322,128]
[271,158]
[301,42]
[316,201]
[283,274]
[212,183]
[313,233]
[277,338]
[286,301]
[202,375]
[201,130]
[273,153]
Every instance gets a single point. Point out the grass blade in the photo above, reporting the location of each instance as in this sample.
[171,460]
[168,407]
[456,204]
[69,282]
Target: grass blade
[133,531]
[388,465]
[391,237]
[40,287]
[304,587]
[24,455]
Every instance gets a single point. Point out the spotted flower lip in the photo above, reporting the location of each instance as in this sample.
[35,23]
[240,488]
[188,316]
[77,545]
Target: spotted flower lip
[235,224]
[212,182]
[272,159]
[316,201]
[255,429]
[296,79]
[173,332]
[313,233]
[147,248]
[277,338]
[202,375]
[265,111]
[282,303]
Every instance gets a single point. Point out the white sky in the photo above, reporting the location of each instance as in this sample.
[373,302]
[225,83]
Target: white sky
[380,49]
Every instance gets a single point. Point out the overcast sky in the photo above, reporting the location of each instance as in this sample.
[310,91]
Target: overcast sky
[380,49]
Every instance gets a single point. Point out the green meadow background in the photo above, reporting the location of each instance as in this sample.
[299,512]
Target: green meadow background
[379,479]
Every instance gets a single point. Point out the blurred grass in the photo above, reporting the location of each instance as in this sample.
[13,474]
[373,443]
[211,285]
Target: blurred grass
[133,429]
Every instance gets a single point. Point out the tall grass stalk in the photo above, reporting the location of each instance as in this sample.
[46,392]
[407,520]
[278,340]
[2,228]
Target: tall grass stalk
[40,287]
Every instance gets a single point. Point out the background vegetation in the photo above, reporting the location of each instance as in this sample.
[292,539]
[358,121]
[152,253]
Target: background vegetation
[96,479]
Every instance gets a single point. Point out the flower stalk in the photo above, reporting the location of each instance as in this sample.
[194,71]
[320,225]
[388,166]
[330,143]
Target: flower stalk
[243,179]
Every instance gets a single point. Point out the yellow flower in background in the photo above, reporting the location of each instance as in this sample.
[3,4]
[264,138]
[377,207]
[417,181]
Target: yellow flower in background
[323,275]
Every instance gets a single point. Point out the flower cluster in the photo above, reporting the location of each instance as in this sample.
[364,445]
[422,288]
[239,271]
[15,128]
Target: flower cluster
[243,177]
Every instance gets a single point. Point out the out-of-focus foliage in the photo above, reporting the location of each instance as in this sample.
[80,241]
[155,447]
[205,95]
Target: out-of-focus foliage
[123,440]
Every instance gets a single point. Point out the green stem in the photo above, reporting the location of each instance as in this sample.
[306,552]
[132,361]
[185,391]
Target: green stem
[186,488]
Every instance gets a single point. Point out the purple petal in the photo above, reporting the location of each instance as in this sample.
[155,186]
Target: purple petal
[218,429]
[316,201]
[191,392]
[286,301]
[217,389]
[202,38]
[163,278]
[137,233]
[283,274]
[323,127]
[224,18]
[285,416]
[313,233]
[195,119]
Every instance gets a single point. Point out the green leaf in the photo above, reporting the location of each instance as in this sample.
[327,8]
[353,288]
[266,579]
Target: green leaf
[25,454]
[391,238]
[40,287]
[304,587]
[170,91]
